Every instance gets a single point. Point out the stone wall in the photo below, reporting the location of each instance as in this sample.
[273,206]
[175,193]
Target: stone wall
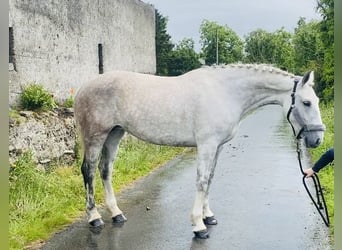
[50,136]
[57,43]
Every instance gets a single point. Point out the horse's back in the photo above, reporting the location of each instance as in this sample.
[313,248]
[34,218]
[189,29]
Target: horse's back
[153,108]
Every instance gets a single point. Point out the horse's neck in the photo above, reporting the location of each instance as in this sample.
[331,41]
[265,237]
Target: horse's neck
[258,98]
[256,88]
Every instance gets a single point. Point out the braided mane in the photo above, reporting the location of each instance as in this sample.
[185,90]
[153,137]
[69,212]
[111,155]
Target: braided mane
[257,67]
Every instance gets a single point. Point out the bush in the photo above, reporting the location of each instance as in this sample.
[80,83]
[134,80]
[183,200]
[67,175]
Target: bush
[35,97]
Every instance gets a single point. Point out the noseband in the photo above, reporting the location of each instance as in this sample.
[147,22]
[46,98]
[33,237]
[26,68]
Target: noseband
[307,127]
[319,203]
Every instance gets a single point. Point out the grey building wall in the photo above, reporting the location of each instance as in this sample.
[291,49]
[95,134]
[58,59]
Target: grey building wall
[55,42]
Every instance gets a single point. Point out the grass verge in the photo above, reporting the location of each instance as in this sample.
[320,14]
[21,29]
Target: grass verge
[41,203]
[326,175]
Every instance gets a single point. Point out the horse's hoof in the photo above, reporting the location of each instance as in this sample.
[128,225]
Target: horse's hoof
[210,221]
[203,234]
[119,219]
[97,223]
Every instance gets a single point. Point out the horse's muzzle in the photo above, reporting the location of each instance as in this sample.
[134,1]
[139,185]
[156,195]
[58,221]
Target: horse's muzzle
[312,134]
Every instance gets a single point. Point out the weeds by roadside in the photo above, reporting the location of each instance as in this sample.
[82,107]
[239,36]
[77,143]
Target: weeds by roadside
[36,97]
[326,175]
[41,203]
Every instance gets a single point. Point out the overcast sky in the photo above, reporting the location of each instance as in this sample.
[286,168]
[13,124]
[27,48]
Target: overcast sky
[242,16]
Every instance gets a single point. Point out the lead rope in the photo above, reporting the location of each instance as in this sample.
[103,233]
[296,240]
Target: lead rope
[318,188]
[315,179]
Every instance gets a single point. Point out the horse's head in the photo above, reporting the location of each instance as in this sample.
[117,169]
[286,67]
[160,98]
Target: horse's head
[303,114]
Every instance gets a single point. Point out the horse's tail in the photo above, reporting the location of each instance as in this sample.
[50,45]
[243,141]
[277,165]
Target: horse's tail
[79,140]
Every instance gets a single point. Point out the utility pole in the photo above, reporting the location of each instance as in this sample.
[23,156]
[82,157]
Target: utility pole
[217,42]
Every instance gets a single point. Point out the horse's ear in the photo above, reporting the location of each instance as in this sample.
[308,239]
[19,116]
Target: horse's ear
[308,77]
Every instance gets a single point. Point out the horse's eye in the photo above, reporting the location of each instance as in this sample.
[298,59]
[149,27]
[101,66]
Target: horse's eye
[307,103]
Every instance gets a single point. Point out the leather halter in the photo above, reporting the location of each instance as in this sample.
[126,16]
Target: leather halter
[307,127]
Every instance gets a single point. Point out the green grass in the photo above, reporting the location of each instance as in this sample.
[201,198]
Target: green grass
[326,175]
[41,203]
[69,102]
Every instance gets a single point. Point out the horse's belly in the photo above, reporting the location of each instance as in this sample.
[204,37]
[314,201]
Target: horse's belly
[164,136]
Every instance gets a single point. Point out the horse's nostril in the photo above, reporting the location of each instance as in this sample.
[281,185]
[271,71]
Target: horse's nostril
[318,141]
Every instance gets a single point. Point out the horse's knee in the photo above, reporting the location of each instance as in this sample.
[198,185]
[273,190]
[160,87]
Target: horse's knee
[104,171]
[84,167]
[202,184]
[85,172]
[88,170]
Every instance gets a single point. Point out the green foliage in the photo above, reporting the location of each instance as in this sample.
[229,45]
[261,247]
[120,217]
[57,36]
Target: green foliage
[215,37]
[311,47]
[326,175]
[15,117]
[164,45]
[258,47]
[41,203]
[137,158]
[272,48]
[37,201]
[326,9]
[313,53]
[308,46]
[69,102]
[35,97]
[173,60]
[326,83]
[183,58]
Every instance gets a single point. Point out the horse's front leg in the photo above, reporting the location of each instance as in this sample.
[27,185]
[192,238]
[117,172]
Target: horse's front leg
[207,155]
[208,215]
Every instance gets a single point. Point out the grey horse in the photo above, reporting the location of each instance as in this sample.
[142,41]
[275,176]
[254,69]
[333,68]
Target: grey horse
[202,108]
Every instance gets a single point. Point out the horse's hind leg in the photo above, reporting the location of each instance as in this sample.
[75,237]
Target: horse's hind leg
[88,168]
[108,155]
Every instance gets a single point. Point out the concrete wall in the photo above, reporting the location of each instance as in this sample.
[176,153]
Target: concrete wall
[55,42]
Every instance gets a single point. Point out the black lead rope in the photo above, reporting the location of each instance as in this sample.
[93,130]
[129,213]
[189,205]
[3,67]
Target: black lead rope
[320,204]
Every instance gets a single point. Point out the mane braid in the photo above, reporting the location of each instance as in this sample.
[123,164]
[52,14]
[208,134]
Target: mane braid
[258,67]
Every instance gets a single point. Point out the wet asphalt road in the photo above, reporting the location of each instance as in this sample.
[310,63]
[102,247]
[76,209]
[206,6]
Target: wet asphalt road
[256,195]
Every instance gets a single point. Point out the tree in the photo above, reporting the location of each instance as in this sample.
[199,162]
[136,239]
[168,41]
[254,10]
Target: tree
[183,58]
[217,38]
[308,47]
[173,60]
[164,45]
[326,85]
[259,47]
[273,48]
